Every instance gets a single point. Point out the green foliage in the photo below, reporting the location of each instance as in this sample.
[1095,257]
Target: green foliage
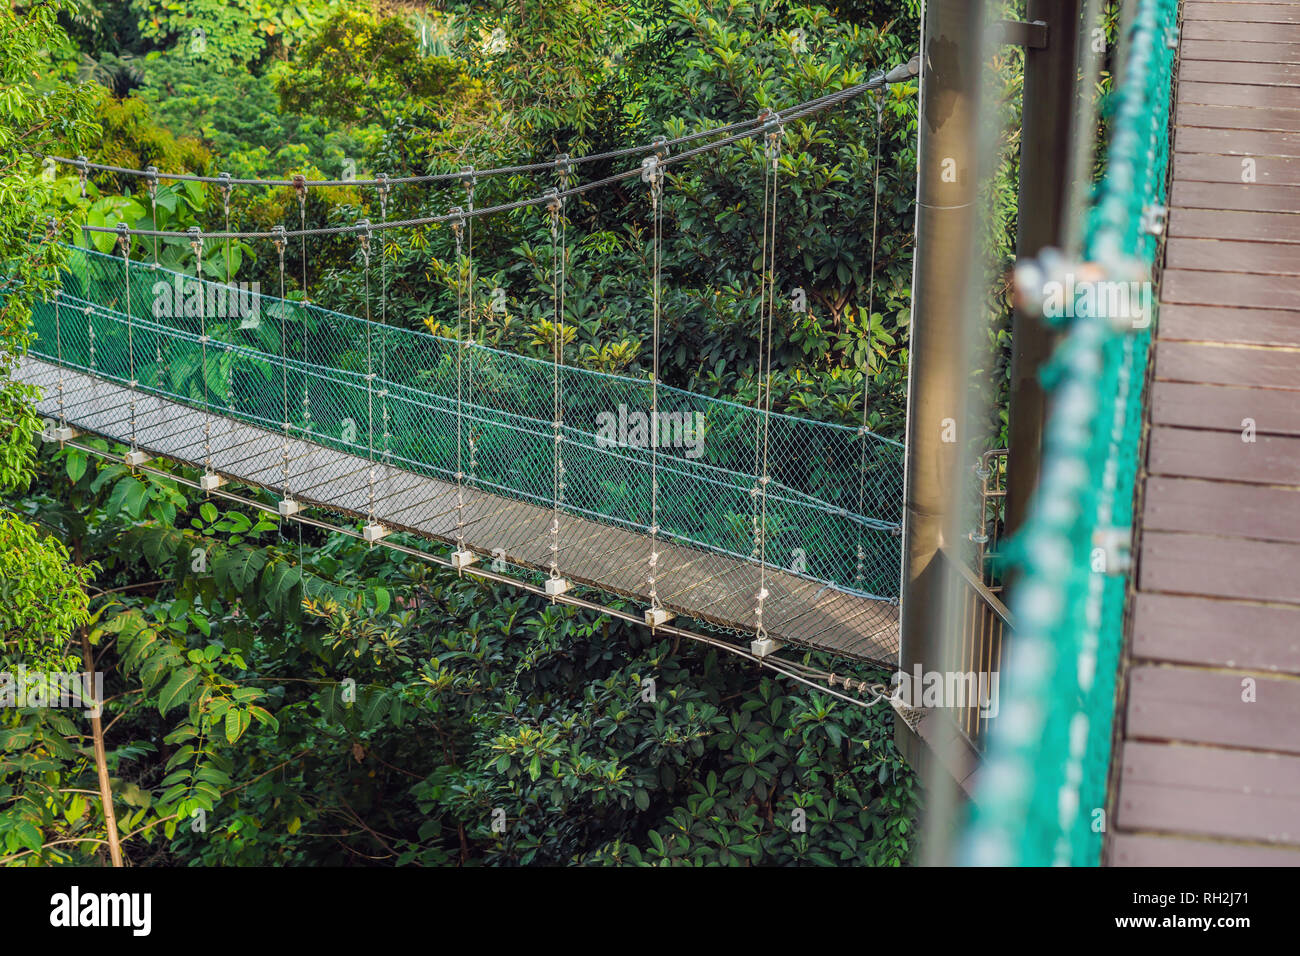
[283,696]
[227,34]
[360,69]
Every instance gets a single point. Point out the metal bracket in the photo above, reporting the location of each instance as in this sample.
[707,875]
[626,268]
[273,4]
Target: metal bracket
[1030,34]
[656,616]
[764,646]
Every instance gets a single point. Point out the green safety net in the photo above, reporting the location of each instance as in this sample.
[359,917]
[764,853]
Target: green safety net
[1042,792]
[425,403]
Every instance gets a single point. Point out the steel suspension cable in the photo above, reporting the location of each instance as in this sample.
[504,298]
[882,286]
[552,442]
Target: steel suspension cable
[383,321]
[654,175]
[859,575]
[196,243]
[556,209]
[772,153]
[458,231]
[280,244]
[124,241]
[898,75]
[370,372]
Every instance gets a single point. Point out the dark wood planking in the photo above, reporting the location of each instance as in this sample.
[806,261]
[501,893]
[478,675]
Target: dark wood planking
[1246,32]
[1249,197]
[1237,95]
[1199,139]
[1192,453]
[1214,364]
[1219,540]
[1175,703]
[1226,509]
[1203,564]
[1236,118]
[1210,791]
[1233,52]
[1216,633]
[1225,407]
[1215,255]
[1229,224]
[1251,74]
[1248,326]
[1195,10]
[1196,287]
[1214,168]
[1157,850]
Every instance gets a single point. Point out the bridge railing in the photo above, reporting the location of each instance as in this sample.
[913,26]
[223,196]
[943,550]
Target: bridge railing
[983,627]
[833,499]
[1042,795]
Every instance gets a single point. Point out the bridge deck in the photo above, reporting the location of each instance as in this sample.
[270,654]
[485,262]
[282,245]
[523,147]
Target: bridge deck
[692,582]
[1207,759]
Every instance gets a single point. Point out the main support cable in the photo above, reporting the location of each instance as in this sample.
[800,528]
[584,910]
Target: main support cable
[226,181]
[900,74]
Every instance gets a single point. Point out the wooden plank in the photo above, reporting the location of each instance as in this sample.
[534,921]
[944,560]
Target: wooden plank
[1226,408]
[1211,323]
[1234,291]
[1195,10]
[1220,567]
[1206,706]
[1226,224]
[1238,95]
[1221,508]
[1251,197]
[1233,52]
[1149,850]
[1210,791]
[1248,32]
[1235,118]
[1192,453]
[1214,255]
[1216,364]
[1213,168]
[1200,139]
[1259,74]
[1216,633]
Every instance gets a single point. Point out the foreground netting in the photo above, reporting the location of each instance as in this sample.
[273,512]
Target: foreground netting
[1042,793]
[482,423]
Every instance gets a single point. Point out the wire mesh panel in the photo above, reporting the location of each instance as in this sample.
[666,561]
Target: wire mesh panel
[1043,791]
[484,420]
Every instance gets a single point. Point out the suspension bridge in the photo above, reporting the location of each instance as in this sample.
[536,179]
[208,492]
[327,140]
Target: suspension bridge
[1155,567]
[754,522]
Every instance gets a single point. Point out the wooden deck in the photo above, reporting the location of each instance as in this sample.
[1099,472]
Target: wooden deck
[1207,758]
[692,582]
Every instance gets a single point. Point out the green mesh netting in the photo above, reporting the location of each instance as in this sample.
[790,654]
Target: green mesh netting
[1045,781]
[833,502]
